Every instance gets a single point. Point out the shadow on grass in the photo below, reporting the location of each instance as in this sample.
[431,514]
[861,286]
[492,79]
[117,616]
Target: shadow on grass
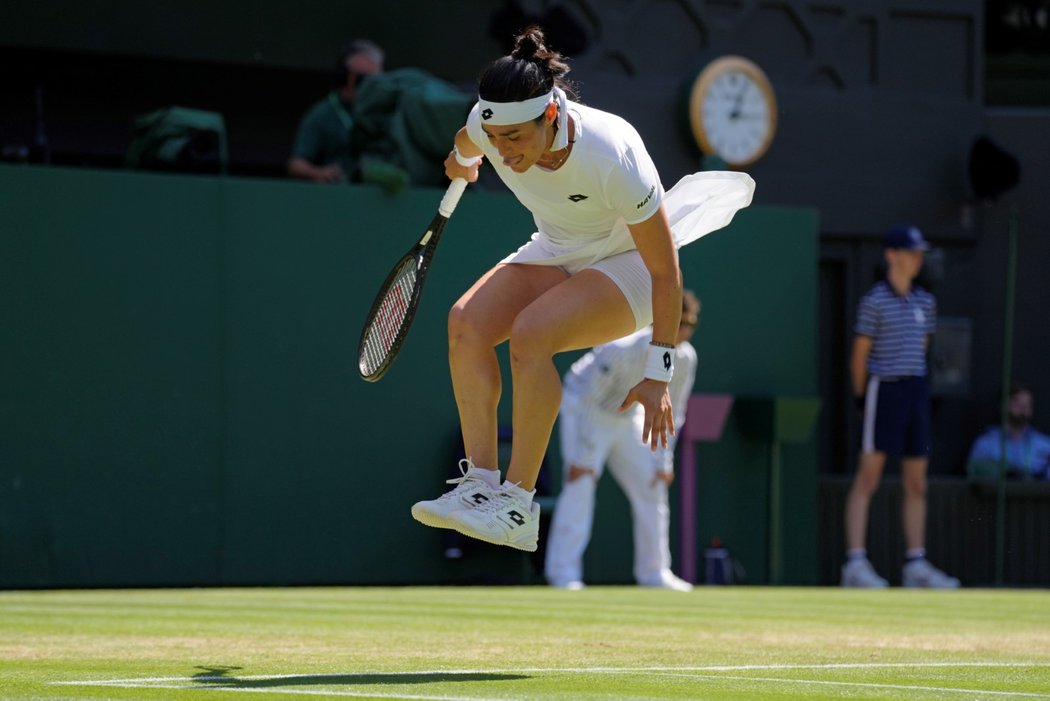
[222,677]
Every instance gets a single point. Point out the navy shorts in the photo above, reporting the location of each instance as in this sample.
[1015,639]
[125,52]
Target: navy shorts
[897,417]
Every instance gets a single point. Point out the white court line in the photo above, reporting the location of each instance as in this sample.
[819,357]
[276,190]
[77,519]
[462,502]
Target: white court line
[875,685]
[195,683]
[575,670]
[305,692]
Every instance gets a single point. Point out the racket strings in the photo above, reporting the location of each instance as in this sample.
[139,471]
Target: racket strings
[382,333]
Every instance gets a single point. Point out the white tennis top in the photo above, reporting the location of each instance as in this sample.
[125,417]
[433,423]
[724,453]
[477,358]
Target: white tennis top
[582,209]
[607,182]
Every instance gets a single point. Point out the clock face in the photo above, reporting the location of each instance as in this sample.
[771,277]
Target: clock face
[733,111]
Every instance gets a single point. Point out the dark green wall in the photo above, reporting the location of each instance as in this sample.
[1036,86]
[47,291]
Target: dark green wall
[180,404]
[267,33]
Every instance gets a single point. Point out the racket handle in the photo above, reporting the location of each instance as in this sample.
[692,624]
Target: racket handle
[451,198]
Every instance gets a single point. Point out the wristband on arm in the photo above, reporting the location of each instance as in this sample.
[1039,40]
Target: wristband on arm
[463,161]
[659,364]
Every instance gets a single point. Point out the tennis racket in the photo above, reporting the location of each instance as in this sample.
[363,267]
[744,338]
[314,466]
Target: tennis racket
[394,307]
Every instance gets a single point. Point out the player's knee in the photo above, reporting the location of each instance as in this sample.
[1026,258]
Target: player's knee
[529,339]
[865,484]
[914,486]
[458,321]
[463,328]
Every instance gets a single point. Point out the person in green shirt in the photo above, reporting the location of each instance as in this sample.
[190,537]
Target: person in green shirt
[322,151]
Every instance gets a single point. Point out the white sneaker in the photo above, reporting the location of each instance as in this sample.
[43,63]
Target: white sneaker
[667,580]
[860,573]
[920,573]
[470,490]
[503,519]
[571,585]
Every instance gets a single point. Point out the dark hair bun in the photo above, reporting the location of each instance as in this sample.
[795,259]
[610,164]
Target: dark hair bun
[531,69]
[529,45]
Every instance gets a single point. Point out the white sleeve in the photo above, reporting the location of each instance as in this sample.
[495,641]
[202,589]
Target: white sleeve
[619,366]
[682,383]
[476,133]
[634,188]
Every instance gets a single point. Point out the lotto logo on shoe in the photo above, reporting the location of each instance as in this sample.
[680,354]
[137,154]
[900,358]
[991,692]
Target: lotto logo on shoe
[478,498]
[516,517]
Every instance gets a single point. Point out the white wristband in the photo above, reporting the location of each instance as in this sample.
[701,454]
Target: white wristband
[465,162]
[660,363]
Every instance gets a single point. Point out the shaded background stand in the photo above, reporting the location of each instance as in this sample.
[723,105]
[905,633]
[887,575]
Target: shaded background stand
[778,420]
[993,171]
[1004,403]
[705,419]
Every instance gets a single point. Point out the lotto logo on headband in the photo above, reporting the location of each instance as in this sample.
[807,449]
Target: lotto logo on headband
[505,113]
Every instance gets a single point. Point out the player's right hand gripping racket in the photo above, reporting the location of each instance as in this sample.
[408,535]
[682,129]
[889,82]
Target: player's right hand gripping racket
[391,314]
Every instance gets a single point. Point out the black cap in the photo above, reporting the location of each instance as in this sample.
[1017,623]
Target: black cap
[905,236]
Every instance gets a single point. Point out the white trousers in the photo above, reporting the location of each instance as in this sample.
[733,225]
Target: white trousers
[592,438]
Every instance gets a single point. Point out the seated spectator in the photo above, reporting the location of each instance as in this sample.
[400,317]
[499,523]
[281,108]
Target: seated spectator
[1027,450]
[404,121]
[323,150]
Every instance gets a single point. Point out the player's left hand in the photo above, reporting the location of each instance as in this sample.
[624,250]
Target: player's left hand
[658,424]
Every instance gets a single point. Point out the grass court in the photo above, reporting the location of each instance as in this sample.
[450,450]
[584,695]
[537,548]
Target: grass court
[469,644]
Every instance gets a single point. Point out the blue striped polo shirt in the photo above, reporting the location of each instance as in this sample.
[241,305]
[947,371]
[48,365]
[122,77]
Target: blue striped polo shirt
[898,326]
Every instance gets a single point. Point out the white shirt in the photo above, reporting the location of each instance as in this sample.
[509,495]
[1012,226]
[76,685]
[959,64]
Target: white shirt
[607,182]
[610,168]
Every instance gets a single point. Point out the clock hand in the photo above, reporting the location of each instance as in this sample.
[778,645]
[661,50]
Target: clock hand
[735,113]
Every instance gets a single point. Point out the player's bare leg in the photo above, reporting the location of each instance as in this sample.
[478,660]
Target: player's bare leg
[479,321]
[858,502]
[858,572]
[918,572]
[584,311]
[913,506]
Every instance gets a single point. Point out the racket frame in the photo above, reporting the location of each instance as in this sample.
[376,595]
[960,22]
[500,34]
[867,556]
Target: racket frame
[422,252]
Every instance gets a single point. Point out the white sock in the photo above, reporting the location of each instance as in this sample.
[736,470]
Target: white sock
[519,492]
[912,554]
[491,477]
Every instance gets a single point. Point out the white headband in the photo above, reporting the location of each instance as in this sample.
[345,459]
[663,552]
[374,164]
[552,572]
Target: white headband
[503,113]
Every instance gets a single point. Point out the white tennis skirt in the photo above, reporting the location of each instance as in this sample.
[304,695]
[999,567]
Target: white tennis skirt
[697,205]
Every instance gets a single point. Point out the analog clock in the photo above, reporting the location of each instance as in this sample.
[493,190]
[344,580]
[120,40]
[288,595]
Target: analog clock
[733,111]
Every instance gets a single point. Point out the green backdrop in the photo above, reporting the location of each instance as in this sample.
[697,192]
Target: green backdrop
[180,405]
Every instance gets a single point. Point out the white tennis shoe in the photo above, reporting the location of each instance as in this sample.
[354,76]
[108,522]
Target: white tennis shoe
[920,573]
[666,580]
[860,573]
[504,519]
[471,490]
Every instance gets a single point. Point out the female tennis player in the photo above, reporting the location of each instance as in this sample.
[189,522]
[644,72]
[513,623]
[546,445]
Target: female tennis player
[602,264]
